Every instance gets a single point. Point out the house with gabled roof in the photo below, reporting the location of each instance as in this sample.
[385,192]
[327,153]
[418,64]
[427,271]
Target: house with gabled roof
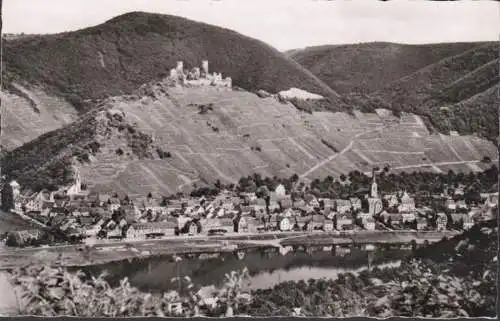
[113,204]
[408,216]
[343,206]
[208,224]
[317,222]
[327,204]
[227,204]
[282,223]
[392,200]
[328,225]
[343,220]
[441,221]
[308,209]
[464,220]
[355,203]
[34,203]
[298,204]
[289,212]
[86,220]
[421,223]
[227,223]
[145,230]
[246,224]
[491,200]
[330,214]
[43,219]
[55,211]
[259,205]
[245,209]
[274,207]
[236,200]
[280,191]
[468,222]
[273,198]
[369,224]
[314,203]
[61,202]
[115,233]
[396,219]
[450,204]
[363,215]
[301,222]
[91,230]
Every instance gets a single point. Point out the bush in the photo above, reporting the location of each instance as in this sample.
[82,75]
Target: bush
[51,291]
[163,154]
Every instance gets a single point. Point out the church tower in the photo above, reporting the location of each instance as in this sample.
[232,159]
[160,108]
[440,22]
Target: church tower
[374,192]
[375,205]
[76,188]
[180,67]
[204,66]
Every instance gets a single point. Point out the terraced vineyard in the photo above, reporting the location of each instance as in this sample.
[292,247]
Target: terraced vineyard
[29,113]
[241,134]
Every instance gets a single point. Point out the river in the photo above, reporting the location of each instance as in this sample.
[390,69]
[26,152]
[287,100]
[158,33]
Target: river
[267,266]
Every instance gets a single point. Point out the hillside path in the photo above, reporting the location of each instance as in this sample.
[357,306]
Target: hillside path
[332,157]
[438,164]
[441,164]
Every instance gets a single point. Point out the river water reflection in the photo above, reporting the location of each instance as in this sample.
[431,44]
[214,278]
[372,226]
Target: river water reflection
[267,266]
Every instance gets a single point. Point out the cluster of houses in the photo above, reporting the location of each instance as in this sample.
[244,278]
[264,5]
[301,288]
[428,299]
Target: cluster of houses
[102,215]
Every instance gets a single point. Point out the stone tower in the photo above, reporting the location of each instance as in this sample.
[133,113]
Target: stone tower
[374,191]
[76,188]
[180,67]
[11,197]
[204,66]
[16,190]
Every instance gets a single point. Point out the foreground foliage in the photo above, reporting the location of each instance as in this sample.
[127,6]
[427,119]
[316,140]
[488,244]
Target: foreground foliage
[49,291]
[451,278]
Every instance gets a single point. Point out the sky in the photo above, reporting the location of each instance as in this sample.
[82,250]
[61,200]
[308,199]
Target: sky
[284,24]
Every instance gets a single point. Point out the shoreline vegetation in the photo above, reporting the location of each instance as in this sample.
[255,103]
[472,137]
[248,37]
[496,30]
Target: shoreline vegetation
[435,281]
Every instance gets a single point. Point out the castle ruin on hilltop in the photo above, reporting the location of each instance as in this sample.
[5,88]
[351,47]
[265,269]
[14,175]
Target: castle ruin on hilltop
[198,77]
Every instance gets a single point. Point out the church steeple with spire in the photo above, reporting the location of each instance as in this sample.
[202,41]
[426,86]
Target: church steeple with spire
[374,202]
[374,191]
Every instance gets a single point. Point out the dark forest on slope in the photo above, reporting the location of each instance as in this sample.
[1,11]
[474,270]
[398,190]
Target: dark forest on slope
[127,51]
[453,85]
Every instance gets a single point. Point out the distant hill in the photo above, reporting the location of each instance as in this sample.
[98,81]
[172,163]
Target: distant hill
[165,139]
[368,67]
[118,56]
[465,83]
[420,79]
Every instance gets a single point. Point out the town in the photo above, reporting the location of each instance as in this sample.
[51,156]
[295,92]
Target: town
[74,214]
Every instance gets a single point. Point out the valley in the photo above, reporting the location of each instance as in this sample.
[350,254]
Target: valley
[153,165]
[403,113]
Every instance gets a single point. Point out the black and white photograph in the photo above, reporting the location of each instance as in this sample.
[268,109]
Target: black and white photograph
[249,158]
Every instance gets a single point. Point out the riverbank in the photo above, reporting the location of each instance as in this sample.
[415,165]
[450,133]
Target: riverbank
[100,253]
